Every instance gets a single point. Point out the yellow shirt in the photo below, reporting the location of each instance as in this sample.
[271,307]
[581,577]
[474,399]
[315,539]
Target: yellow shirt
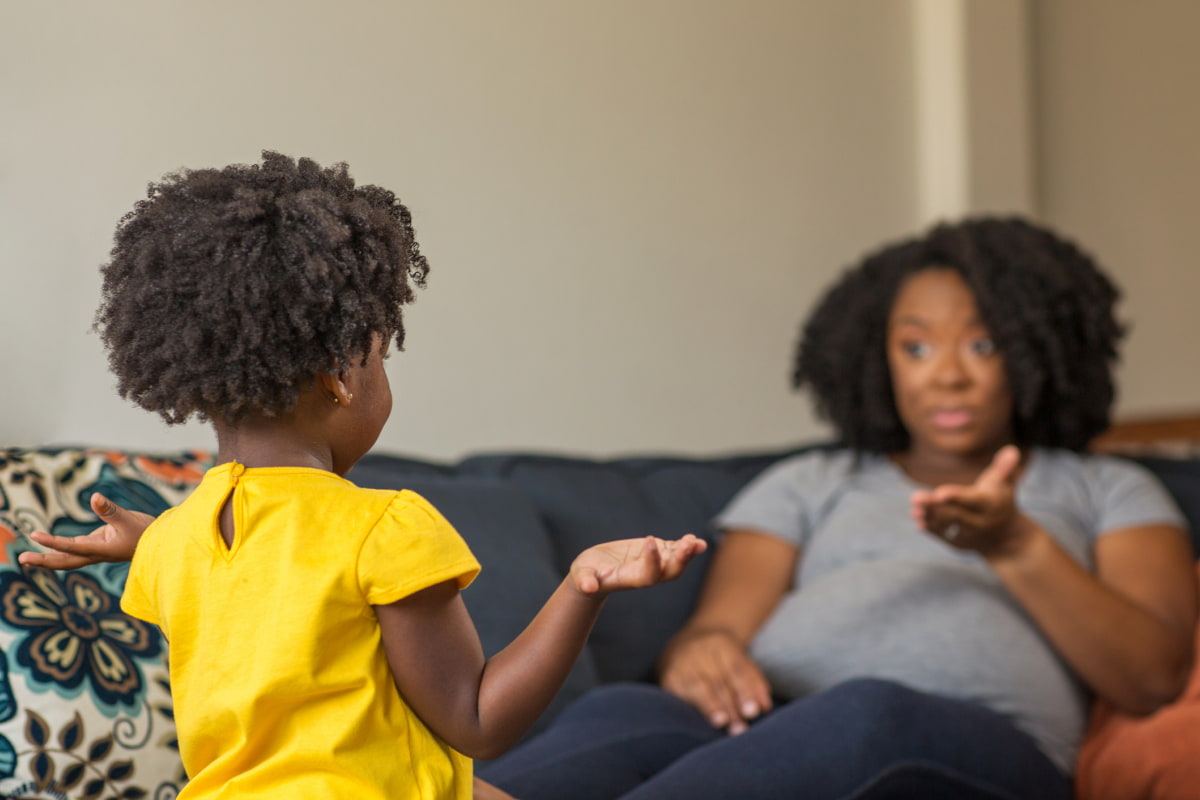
[278,674]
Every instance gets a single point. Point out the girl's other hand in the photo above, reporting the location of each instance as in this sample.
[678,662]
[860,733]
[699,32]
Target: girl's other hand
[115,540]
[710,670]
[633,563]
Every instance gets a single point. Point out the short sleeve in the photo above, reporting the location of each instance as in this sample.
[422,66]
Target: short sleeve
[1127,495]
[412,547]
[138,598]
[786,499]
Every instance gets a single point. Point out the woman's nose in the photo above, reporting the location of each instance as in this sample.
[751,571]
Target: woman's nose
[949,369]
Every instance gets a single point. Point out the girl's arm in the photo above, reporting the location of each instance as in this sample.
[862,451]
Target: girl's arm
[706,663]
[1127,630]
[482,707]
[115,540]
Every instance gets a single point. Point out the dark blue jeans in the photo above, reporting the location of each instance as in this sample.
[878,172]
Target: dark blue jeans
[863,739]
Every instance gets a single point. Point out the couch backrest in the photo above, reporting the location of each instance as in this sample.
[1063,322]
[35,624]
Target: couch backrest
[1181,476]
[583,501]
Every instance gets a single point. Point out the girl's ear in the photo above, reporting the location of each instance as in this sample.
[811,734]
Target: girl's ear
[335,388]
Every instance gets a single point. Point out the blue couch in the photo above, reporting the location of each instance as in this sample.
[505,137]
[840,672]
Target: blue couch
[526,516]
[81,727]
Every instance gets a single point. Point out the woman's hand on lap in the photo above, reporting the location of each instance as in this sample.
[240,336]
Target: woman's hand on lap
[710,670]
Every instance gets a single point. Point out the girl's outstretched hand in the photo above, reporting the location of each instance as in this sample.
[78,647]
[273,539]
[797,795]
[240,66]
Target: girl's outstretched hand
[115,540]
[633,563]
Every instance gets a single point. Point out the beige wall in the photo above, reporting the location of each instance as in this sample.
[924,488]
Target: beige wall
[629,205]
[1118,106]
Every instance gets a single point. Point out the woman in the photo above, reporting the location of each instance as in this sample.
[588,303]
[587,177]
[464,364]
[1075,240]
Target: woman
[926,610]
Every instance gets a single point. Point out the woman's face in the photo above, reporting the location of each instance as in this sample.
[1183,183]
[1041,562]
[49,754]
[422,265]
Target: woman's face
[948,379]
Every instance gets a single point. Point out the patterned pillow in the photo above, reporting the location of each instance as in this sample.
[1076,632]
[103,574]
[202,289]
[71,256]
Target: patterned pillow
[85,704]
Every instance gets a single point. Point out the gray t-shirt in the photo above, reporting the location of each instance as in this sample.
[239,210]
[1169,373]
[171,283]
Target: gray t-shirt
[877,597]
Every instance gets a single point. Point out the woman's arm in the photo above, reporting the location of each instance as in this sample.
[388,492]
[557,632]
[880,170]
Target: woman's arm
[1127,630]
[706,663]
[482,707]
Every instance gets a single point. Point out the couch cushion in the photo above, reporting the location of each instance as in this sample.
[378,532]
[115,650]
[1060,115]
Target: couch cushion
[381,471]
[503,529]
[584,502]
[85,706]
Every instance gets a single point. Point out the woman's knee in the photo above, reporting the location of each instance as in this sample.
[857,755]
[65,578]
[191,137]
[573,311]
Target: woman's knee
[611,739]
[868,712]
[631,706]
[879,695]
[614,699]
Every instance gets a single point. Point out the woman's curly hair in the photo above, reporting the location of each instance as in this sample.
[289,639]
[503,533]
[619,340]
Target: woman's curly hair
[228,290]
[1046,303]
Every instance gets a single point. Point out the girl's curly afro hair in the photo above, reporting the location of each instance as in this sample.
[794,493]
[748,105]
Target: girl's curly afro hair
[1046,303]
[228,290]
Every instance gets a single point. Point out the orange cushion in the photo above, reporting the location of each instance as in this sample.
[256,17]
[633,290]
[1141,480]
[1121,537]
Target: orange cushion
[1143,758]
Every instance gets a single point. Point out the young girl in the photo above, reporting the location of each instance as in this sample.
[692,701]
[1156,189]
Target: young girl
[319,645]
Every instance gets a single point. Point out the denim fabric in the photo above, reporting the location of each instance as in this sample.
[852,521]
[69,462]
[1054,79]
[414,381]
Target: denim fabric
[862,740]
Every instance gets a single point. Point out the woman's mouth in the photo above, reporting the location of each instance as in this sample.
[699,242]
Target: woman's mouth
[951,418]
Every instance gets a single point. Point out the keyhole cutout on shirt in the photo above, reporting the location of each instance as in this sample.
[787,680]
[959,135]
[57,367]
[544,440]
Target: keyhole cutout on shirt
[226,521]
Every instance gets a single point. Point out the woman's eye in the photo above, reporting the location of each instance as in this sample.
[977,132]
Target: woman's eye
[915,349]
[983,347]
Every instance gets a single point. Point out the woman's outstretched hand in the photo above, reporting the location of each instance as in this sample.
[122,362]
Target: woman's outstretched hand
[982,516]
[633,563]
[115,540]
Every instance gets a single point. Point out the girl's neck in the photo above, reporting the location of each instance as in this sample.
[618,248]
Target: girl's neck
[271,443]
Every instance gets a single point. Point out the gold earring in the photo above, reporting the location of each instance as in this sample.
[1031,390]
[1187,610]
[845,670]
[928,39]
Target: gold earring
[335,400]
[349,397]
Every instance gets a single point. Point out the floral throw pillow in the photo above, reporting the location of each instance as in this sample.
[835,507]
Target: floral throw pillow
[85,703]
